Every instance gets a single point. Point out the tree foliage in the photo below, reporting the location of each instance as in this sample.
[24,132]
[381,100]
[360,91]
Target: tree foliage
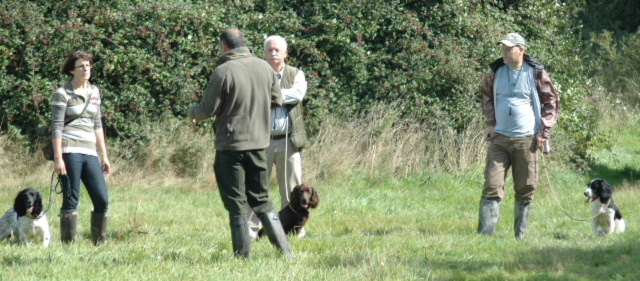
[153,58]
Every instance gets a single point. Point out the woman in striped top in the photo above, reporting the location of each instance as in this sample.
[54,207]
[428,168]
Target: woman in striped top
[79,148]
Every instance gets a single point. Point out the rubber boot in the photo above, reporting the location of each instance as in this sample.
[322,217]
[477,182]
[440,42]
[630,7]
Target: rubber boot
[489,216]
[273,227]
[68,226]
[240,235]
[521,222]
[98,228]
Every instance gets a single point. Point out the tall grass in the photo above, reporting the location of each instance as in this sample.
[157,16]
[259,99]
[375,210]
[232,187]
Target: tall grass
[383,142]
[399,202]
[18,164]
[178,154]
[380,142]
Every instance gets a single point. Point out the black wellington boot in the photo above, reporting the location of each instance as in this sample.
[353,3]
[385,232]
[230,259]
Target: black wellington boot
[240,236]
[68,226]
[273,227]
[98,228]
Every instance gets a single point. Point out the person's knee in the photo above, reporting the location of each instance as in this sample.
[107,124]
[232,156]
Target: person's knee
[101,207]
[70,203]
[262,207]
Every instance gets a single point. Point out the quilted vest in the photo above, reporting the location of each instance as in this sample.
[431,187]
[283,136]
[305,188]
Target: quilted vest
[298,133]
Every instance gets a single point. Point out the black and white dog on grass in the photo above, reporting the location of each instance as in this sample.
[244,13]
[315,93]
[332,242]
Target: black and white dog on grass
[607,220]
[27,220]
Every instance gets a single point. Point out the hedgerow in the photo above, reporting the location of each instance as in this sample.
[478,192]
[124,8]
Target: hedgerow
[154,58]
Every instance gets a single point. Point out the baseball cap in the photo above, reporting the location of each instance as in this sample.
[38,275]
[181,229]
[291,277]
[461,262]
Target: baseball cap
[513,39]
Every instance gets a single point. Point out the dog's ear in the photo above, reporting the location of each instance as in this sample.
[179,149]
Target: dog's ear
[315,199]
[294,196]
[20,204]
[605,189]
[37,206]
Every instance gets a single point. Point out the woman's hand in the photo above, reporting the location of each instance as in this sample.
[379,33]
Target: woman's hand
[106,165]
[58,163]
[60,168]
[102,149]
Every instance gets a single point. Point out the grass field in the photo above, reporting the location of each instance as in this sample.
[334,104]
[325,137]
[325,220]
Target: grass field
[373,227]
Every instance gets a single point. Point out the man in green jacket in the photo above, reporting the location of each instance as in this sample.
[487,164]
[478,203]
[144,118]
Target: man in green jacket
[241,92]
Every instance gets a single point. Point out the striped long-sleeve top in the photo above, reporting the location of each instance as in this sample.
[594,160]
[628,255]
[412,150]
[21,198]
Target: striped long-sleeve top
[78,136]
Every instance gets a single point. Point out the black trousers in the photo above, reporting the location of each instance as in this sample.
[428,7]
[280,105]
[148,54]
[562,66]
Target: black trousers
[242,181]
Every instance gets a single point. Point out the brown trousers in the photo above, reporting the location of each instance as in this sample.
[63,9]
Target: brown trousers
[518,153]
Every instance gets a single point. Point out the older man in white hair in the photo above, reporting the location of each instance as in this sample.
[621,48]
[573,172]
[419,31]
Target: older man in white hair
[288,136]
[521,106]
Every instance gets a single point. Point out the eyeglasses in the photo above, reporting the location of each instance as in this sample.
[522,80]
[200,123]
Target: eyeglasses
[83,66]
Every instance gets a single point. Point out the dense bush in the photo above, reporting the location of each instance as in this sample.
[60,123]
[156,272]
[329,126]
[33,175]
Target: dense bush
[146,60]
[616,66]
[427,56]
[620,16]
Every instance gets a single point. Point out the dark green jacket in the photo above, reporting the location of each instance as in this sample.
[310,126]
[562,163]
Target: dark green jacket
[242,90]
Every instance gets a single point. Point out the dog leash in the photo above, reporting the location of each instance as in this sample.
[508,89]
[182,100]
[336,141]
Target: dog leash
[286,157]
[53,188]
[555,196]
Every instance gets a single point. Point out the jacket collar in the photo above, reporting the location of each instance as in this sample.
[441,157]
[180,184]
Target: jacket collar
[528,59]
[68,87]
[237,53]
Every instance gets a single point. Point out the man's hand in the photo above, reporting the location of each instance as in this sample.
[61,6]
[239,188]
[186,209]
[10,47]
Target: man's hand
[191,117]
[489,132]
[541,141]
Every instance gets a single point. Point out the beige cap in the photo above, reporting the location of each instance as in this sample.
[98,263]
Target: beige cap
[513,39]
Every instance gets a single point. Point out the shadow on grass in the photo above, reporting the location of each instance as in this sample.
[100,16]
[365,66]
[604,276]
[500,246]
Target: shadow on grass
[610,262]
[616,176]
[616,261]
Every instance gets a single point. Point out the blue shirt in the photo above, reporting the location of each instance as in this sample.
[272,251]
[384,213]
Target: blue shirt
[515,115]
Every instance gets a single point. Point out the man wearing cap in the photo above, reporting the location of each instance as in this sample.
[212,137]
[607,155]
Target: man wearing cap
[521,106]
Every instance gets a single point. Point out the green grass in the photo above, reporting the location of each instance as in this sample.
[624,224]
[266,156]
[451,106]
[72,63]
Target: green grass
[366,228]
[620,164]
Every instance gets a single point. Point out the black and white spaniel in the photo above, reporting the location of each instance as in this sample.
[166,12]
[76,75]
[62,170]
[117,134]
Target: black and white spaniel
[27,220]
[607,220]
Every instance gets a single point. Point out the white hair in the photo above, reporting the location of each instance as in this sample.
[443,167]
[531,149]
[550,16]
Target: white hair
[279,39]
